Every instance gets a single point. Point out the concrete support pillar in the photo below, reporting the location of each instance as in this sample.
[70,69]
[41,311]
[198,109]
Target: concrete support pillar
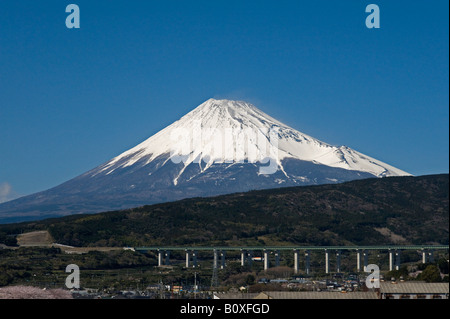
[194,258]
[424,256]
[167,257]
[277,258]
[366,259]
[327,262]
[160,258]
[243,257]
[397,259]
[307,262]
[188,259]
[296,261]
[431,256]
[338,261]
[358,260]
[266,259]
[222,258]
[191,258]
[391,259]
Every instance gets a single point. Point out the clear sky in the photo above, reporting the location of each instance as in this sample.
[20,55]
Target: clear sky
[71,99]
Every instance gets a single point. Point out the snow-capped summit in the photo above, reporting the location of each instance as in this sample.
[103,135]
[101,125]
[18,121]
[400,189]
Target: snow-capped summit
[226,131]
[220,147]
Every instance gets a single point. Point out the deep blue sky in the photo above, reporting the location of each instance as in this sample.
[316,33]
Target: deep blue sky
[71,99]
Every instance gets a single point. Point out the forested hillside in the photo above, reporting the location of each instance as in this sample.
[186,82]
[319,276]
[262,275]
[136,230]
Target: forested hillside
[394,210]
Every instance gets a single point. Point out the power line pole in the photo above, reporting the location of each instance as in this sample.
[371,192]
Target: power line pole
[195,285]
[214,279]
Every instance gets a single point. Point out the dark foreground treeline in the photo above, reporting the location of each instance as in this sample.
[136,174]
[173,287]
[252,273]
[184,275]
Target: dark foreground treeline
[394,210]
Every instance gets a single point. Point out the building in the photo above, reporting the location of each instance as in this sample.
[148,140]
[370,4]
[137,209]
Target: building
[299,295]
[316,295]
[387,290]
[413,290]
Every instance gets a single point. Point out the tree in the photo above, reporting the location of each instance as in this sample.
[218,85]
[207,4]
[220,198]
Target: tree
[443,265]
[250,279]
[402,272]
[5,278]
[7,240]
[431,274]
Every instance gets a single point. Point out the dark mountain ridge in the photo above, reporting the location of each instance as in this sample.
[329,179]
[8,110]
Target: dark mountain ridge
[391,210]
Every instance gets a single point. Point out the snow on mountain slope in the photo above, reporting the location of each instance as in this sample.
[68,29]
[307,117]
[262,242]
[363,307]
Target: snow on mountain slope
[220,147]
[225,131]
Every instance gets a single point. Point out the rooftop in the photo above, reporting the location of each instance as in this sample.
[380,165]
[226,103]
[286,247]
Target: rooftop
[299,295]
[414,287]
[316,295]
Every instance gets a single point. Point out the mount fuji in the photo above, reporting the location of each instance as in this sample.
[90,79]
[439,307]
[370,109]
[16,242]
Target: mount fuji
[220,147]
